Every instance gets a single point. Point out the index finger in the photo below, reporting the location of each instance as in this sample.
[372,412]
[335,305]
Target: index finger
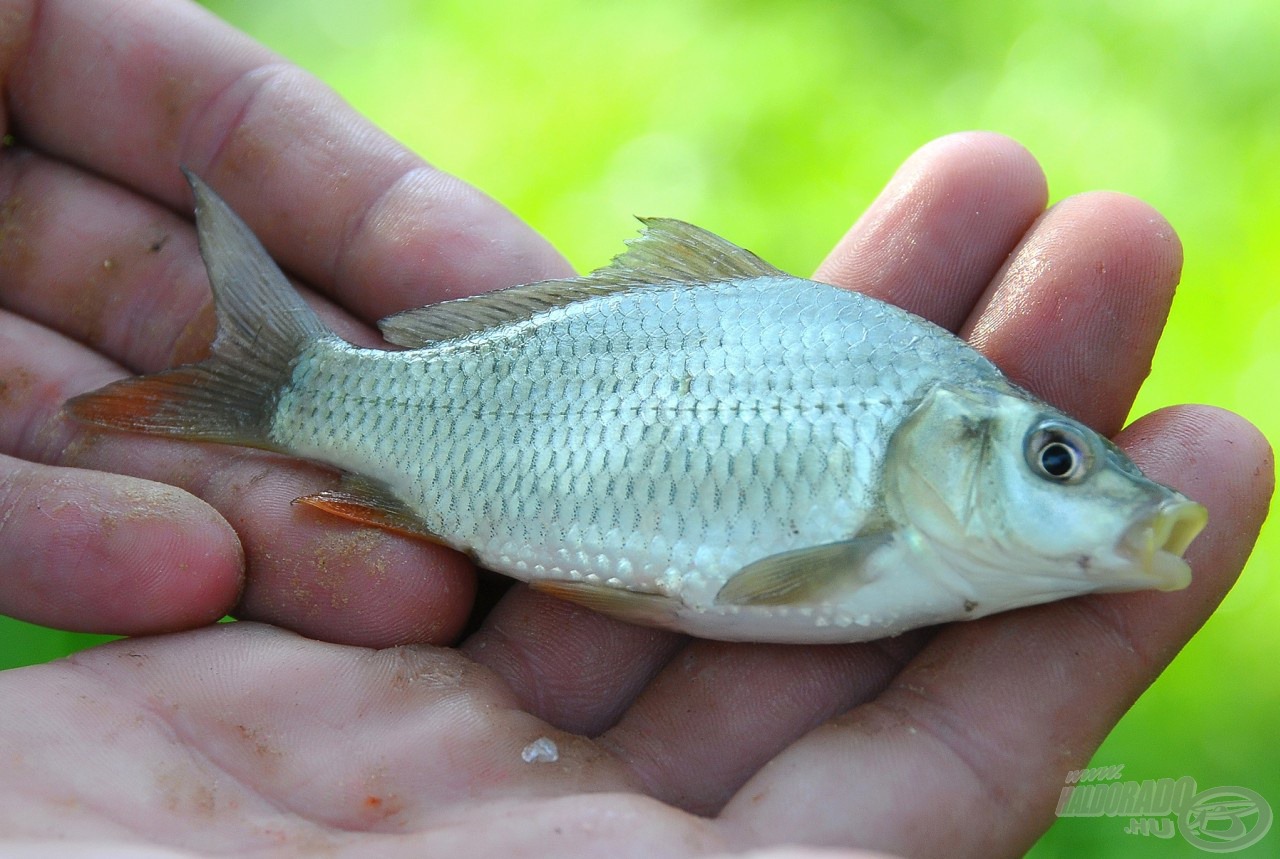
[159,84]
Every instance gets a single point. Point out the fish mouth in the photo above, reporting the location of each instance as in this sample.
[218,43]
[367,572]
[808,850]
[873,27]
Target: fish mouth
[1155,543]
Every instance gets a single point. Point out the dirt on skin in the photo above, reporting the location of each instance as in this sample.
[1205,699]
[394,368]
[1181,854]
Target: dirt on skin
[115,500]
[261,742]
[148,501]
[181,794]
[324,580]
[14,387]
[99,291]
[337,554]
[15,251]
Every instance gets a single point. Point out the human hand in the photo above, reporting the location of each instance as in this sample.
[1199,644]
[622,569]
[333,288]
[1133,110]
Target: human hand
[99,277]
[920,736]
[244,738]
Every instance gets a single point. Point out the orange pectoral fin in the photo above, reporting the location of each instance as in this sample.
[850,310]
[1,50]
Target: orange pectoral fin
[646,609]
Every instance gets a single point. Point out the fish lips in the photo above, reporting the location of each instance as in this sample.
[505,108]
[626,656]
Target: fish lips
[1153,545]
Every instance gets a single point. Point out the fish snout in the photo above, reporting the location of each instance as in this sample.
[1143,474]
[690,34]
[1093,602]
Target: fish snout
[1155,542]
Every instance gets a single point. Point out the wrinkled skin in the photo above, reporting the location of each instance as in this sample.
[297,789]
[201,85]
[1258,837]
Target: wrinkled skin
[248,738]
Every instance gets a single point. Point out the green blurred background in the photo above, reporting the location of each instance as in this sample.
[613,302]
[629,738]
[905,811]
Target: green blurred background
[775,123]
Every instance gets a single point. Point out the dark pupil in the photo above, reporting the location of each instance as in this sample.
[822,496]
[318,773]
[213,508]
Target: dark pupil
[1057,459]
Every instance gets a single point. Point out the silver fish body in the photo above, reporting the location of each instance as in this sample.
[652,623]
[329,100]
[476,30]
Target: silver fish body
[688,438]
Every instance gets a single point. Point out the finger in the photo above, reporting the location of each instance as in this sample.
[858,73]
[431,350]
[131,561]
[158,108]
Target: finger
[325,578]
[94,552]
[110,269]
[943,226]
[340,204]
[63,237]
[571,667]
[719,711]
[1076,314]
[1001,708]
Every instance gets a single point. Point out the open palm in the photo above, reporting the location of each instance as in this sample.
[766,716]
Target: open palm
[246,737]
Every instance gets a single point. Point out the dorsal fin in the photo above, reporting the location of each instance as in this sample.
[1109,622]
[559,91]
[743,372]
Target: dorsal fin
[671,251]
[667,251]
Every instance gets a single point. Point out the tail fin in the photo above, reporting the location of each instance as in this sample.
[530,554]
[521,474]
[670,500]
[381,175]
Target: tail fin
[263,325]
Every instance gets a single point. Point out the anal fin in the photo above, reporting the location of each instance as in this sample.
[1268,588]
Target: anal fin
[358,499]
[647,609]
[800,575]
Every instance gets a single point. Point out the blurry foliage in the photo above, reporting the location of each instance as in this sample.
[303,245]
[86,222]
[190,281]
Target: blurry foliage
[775,123]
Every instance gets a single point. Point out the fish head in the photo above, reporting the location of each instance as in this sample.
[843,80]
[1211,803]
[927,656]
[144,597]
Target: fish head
[1029,505]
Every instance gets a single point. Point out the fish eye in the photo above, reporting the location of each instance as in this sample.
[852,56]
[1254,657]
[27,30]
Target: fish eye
[1059,452]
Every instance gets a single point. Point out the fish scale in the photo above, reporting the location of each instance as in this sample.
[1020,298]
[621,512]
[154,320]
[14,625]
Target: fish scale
[736,387]
[687,438]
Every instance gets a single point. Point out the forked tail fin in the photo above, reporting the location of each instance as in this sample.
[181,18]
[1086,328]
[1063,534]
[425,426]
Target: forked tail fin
[263,326]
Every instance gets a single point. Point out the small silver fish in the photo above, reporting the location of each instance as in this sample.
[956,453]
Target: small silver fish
[687,438]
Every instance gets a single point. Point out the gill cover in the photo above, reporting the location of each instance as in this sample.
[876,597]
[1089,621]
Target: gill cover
[937,467]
